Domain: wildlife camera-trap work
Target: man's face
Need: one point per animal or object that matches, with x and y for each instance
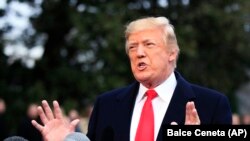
(150, 59)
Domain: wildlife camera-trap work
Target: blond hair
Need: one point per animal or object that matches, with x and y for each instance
(155, 22)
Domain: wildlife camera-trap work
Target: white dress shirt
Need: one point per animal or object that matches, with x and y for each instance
(160, 104)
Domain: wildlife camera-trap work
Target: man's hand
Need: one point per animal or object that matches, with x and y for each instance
(192, 117)
(55, 127)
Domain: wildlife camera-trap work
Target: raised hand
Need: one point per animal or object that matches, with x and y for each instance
(55, 127)
(192, 117)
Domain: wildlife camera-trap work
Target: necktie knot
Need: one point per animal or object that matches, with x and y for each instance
(151, 94)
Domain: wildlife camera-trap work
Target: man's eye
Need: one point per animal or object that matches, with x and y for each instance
(149, 44)
(131, 47)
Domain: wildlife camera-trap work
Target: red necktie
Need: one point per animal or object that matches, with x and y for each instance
(145, 129)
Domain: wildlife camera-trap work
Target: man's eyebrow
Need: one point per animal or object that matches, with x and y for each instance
(132, 43)
(148, 40)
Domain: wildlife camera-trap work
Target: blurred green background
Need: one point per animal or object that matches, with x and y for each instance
(73, 50)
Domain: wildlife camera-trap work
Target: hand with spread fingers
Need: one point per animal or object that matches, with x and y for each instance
(55, 127)
(191, 117)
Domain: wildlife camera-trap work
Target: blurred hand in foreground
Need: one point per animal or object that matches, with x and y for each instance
(55, 127)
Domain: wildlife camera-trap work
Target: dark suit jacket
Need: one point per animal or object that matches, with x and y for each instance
(112, 113)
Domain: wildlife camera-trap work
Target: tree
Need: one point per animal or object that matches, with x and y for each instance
(84, 50)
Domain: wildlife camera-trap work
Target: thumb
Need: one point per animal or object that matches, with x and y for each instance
(73, 124)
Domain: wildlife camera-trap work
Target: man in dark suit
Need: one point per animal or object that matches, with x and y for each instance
(121, 114)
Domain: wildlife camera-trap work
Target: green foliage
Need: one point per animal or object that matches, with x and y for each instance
(85, 49)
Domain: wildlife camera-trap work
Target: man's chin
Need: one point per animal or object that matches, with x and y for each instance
(145, 81)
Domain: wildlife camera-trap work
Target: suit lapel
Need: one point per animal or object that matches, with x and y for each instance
(182, 94)
(177, 106)
(125, 104)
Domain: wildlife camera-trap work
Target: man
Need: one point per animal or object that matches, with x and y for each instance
(118, 115)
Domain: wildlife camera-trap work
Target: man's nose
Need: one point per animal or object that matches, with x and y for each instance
(140, 51)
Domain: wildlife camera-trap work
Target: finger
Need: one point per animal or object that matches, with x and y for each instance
(188, 113)
(47, 110)
(42, 115)
(193, 113)
(57, 109)
(195, 116)
(192, 117)
(73, 124)
(191, 108)
(37, 125)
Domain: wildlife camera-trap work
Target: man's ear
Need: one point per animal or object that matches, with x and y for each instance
(172, 55)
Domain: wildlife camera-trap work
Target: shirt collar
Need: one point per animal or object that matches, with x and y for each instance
(164, 90)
